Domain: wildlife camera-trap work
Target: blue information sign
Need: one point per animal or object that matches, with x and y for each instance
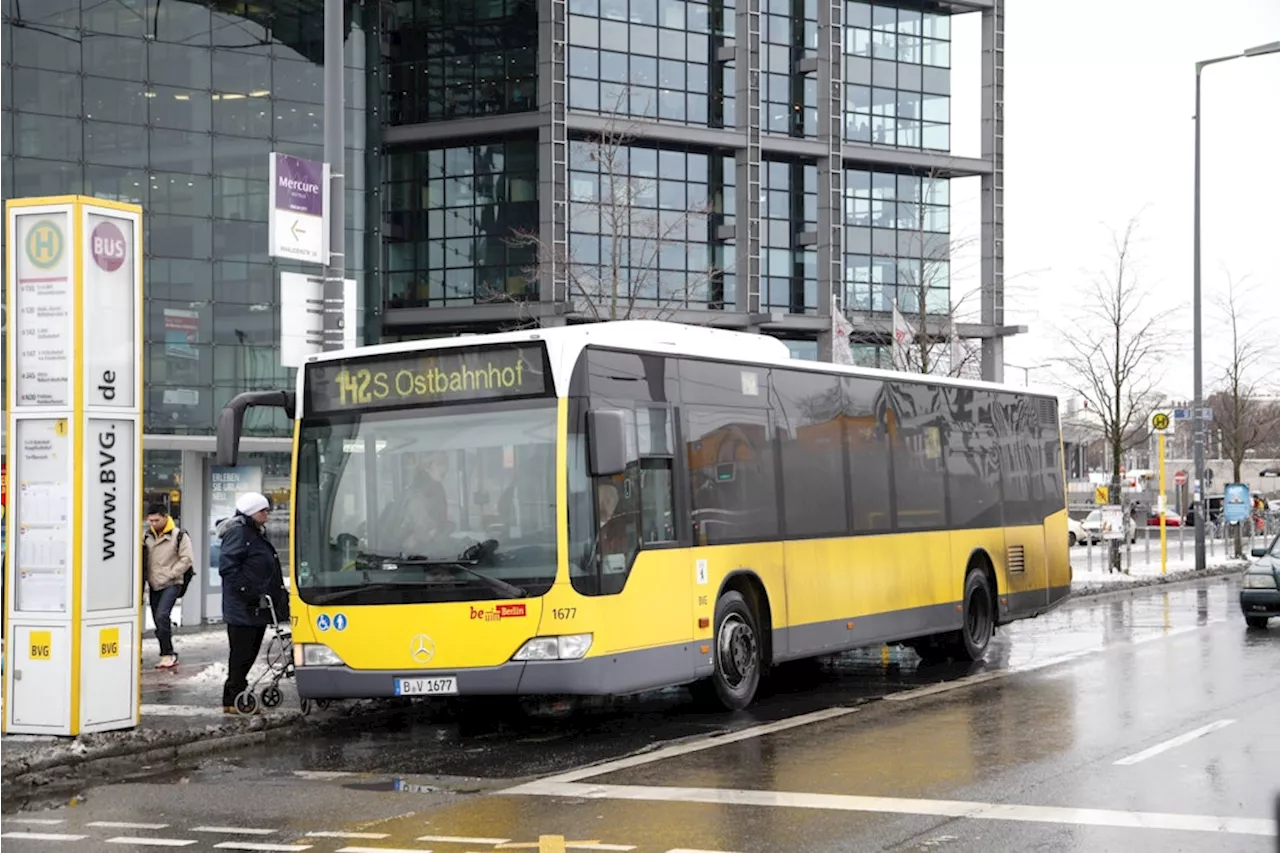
(1237, 502)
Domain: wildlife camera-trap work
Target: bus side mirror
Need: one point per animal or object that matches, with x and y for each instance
(606, 442)
(231, 419)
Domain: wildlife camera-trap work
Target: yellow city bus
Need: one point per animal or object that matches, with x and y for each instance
(609, 508)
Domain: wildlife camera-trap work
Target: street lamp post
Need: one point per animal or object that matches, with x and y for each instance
(1026, 371)
(1198, 403)
(335, 156)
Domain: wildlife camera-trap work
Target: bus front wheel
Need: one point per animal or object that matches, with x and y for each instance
(736, 652)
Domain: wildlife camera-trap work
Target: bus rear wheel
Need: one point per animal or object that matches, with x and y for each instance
(736, 653)
(979, 617)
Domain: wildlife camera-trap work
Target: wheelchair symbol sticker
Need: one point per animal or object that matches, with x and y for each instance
(339, 621)
(322, 622)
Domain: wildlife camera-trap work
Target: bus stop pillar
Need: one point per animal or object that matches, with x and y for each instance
(74, 517)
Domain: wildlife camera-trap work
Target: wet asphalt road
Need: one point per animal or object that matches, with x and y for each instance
(1148, 721)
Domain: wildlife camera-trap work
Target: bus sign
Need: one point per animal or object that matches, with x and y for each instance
(434, 377)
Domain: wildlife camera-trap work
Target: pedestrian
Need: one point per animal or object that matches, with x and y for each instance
(250, 569)
(167, 563)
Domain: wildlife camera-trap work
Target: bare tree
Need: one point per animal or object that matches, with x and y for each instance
(1113, 357)
(1244, 421)
(655, 247)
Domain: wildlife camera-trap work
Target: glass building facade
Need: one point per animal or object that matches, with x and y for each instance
(757, 164)
(631, 173)
(176, 107)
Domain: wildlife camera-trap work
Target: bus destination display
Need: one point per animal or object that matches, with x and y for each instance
(427, 378)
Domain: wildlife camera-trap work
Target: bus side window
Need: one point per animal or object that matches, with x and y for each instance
(657, 495)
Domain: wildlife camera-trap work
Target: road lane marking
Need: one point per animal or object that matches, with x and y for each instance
(1265, 827)
(369, 836)
(383, 850)
(692, 850)
(712, 741)
(1174, 742)
(42, 836)
(144, 841)
(258, 847)
(709, 742)
(123, 824)
(233, 830)
(37, 821)
(462, 839)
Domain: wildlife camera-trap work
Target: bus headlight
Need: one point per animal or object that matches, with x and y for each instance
(314, 654)
(568, 647)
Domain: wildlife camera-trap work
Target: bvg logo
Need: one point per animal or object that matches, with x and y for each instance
(44, 244)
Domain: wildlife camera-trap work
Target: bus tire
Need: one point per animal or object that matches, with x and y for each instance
(979, 617)
(736, 652)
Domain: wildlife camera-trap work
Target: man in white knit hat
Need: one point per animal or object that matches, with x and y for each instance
(250, 569)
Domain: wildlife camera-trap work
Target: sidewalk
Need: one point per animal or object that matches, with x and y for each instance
(1093, 577)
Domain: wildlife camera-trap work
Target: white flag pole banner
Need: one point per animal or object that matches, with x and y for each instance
(841, 330)
(902, 336)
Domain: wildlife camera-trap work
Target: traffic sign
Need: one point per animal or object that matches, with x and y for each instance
(1162, 422)
(1180, 478)
(298, 222)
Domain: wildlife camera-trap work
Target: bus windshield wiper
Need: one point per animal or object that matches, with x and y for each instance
(349, 592)
(509, 590)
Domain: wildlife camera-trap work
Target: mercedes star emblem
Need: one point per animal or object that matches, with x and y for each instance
(422, 649)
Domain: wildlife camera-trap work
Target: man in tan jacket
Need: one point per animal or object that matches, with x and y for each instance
(166, 560)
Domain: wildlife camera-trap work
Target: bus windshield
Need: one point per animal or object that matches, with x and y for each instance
(442, 504)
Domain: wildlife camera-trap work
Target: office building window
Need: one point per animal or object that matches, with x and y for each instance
(789, 270)
(896, 242)
(640, 228)
(897, 76)
(450, 59)
(454, 220)
(649, 58)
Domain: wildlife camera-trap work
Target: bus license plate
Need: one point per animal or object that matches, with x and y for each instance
(447, 686)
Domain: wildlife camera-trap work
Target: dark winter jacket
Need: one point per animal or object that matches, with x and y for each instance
(250, 568)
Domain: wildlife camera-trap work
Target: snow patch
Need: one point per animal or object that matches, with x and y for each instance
(216, 673)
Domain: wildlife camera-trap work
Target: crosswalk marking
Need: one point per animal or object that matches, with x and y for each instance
(145, 841)
(384, 850)
(36, 821)
(124, 824)
(371, 836)
(232, 830)
(259, 847)
(42, 836)
(462, 839)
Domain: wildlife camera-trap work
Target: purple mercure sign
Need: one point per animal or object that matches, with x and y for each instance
(299, 185)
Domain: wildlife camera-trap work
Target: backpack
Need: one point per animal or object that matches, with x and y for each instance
(191, 570)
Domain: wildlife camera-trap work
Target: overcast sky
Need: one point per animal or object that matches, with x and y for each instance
(1099, 99)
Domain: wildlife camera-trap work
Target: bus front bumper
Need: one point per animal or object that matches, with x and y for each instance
(608, 675)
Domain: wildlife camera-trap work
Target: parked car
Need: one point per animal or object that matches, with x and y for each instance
(1093, 527)
(1171, 519)
(1260, 590)
(1075, 533)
